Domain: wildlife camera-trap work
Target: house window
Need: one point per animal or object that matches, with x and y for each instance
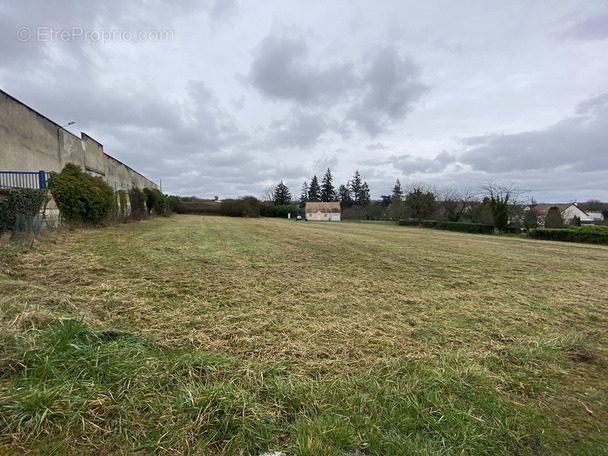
(325, 215)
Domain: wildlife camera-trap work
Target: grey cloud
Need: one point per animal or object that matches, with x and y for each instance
(374, 94)
(197, 124)
(377, 146)
(596, 105)
(204, 121)
(592, 28)
(410, 164)
(320, 165)
(281, 70)
(302, 129)
(578, 143)
(222, 9)
(391, 87)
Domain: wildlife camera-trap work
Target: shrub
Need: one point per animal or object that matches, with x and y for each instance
(475, 228)
(18, 203)
(247, 206)
(429, 223)
(592, 234)
(81, 197)
(155, 201)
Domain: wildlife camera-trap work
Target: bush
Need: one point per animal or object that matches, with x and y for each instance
(247, 206)
(18, 203)
(593, 234)
(430, 223)
(268, 210)
(155, 201)
(81, 197)
(474, 228)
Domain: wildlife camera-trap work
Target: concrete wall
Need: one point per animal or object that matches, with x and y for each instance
(31, 142)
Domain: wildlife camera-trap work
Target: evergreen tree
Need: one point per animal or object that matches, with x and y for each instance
(385, 200)
(397, 191)
(282, 195)
(328, 193)
(396, 208)
(500, 212)
(531, 218)
(314, 191)
(364, 197)
(359, 190)
(554, 218)
(304, 195)
(344, 196)
(420, 205)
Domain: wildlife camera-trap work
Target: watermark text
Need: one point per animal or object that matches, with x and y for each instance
(46, 34)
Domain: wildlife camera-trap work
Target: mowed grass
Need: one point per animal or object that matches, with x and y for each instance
(215, 335)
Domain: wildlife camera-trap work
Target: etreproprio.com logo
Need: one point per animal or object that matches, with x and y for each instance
(46, 34)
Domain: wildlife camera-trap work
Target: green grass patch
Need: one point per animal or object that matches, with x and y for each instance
(78, 390)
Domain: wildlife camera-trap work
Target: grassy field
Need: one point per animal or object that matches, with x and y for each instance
(211, 335)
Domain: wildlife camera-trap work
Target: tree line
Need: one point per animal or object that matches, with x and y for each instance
(503, 206)
(355, 192)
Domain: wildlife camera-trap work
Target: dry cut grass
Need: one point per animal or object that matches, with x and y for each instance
(317, 295)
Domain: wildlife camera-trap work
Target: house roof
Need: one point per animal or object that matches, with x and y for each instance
(333, 207)
(543, 209)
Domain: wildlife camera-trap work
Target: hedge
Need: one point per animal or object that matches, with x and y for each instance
(404, 222)
(267, 210)
(19, 202)
(246, 206)
(429, 223)
(193, 205)
(586, 234)
(475, 228)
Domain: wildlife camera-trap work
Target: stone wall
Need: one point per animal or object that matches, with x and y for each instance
(31, 142)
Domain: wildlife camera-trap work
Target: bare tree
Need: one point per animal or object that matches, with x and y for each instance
(268, 194)
(503, 201)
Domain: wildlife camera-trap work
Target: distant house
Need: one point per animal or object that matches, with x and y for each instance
(595, 215)
(567, 211)
(328, 212)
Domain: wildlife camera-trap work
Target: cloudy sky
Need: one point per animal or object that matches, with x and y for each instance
(229, 97)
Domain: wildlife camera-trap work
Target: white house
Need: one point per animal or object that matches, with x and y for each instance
(567, 211)
(326, 212)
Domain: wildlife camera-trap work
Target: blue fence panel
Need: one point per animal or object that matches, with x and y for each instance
(25, 179)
